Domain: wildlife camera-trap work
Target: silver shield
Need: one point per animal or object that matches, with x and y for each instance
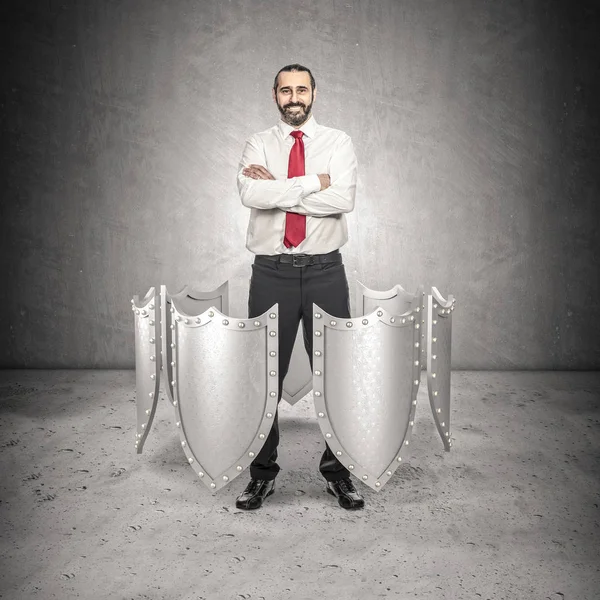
(147, 362)
(192, 302)
(439, 338)
(225, 389)
(396, 301)
(365, 381)
(298, 380)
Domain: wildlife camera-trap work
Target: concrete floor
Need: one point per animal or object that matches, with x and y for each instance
(511, 512)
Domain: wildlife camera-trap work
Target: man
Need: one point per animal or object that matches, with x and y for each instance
(298, 178)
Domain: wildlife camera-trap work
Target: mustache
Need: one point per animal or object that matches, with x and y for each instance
(291, 105)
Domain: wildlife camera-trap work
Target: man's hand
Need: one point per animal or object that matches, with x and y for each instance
(257, 172)
(325, 181)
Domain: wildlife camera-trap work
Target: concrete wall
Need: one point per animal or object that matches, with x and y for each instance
(475, 125)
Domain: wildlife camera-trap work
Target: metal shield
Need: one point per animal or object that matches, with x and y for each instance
(396, 301)
(147, 362)
(225, 388)
(192, 302)
(298, 379)
(365, 381)
(439, 338)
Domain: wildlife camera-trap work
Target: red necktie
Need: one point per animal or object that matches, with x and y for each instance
(295, 224)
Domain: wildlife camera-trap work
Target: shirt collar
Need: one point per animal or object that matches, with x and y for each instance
(309, 128)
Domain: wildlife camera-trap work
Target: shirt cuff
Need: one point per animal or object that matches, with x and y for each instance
(309, 183)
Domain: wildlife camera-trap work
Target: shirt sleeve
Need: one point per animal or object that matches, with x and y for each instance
(270, 193)
(340, 195)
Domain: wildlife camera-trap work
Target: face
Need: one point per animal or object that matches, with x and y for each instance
(294, 97)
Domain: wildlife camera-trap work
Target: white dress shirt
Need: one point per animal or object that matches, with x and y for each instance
(326, 151)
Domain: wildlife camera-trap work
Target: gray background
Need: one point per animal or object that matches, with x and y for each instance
(474, 124)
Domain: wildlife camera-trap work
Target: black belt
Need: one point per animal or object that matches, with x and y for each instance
(303, 260)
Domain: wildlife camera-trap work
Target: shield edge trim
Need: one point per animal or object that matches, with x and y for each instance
(271, 323)
(443, 309)
(378, 314)
(150, 304)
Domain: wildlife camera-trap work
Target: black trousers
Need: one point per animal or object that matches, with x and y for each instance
(295, 289)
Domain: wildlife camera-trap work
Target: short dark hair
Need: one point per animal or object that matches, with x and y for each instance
(293, 68)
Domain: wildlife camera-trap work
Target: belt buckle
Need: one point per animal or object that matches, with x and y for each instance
(299, 260)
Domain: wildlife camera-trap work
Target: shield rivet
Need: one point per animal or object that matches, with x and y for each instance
(317, 353)
(418, 308)
(178, 318)
(151, 323)
(435, 305)
(150, 394)
(269, 415)
(435, 321)
(153, 358)
(399, 459)
(338, 453)
(143, 425)
(317, 315)
(416, 382)
(144, 313)
(434, 339)
(183, 443)
(434, 356)
(186, 321)
(392, 319)
(317, 394)
(443, 424)
(178, 424)
(403, 320)
(272, 353)
(417, 326)
(317, 372)
(262, 436)
(412, 423)
(153, 376)
(435, 393)
(351, 467)
(256, 323)
(174, 402)
(239, 467)
(321, 414)
(333, 323)
(438, 410)
(272, 373)
(414, 402)
(379, 313)
(250, 454)
(412, 317)
(172, 344)
(171, 326)
(416, 363)
(416, 344)
(200, 474)
(173, 382)
(225, 478)
(447, 433)
(198, 320)
(327, 435)
(365, 477)
(365, 321)
(272, 333)
(406, 443)
(241, 325)
(211, 313)
(172, 363)
(389, 473)
(213, 485)
(318, 333)
(132, 301)
(273, 394)
(147, 411)
(225, 322)
(433, 375)
(190, 460)
(349, 324)
(272, 315)
(172, 309)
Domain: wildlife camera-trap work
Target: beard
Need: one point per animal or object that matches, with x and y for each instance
(295, 118)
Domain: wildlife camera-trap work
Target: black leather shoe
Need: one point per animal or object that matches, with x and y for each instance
(346, 494)
(254, 494)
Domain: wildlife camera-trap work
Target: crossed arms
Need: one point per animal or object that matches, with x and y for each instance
(313, 195)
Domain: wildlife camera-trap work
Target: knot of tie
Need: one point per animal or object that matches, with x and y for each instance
(297, 134)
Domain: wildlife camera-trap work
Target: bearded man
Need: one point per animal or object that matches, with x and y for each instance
(299, 179)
